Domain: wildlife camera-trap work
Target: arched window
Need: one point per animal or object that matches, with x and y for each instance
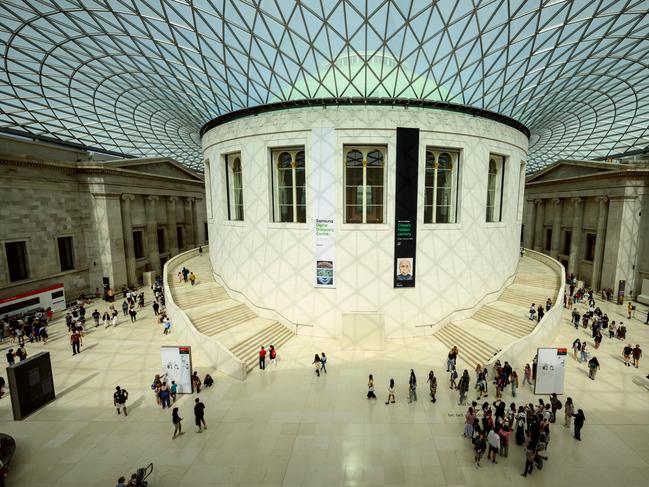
(364, 183)
(440, 200)
(290, 182)
(495, 183)
(234, 186)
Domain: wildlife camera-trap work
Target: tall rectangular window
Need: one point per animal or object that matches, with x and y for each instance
(66, 253)
(162, 242)
(180, 235)
(521, 192)
(548, 239)
(495, 187)
(208, 187)
(289, 185)
(207, 233)
(567, 238)
(234, 186)
(440, 198)
(17, 260)
(138, 245)
(589, 251)
(364, 183)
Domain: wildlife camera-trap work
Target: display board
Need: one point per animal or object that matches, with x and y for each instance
(31, 384)
(405, 207)
(550, 370)
(323, 188)
(177, 364)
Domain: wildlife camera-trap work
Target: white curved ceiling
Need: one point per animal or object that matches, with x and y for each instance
(142, 76)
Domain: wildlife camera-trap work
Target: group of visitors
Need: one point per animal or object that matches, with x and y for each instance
(537, 313)
(30, 326)
(186, 275)
(320, 363)
(272, 355)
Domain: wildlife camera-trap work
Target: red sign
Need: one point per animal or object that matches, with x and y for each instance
(31, 293)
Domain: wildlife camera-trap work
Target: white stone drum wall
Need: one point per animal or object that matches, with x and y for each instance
(273, 264)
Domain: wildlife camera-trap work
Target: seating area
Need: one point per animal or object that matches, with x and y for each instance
(215, 314)
(497, 324)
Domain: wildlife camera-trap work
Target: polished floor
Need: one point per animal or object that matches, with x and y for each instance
(284, 426)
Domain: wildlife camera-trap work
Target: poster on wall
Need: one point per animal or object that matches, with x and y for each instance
(405, 207)
(177, 364)
(621, 286)
(550, 370)
(323, 188)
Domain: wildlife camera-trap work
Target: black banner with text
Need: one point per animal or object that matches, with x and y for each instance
(405, 207)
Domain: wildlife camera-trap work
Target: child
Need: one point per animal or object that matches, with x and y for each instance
(453, 377)
(174, 390)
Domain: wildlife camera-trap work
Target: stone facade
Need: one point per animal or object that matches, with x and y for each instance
(99, 204)
(594, 218)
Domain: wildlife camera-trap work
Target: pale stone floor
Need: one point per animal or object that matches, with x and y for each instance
(286, 427)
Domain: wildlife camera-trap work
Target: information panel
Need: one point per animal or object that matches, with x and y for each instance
(550, 370)
(323, 188)
(177, 364)
(31, 384)
(405, 207)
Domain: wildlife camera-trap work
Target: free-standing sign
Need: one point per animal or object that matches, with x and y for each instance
(177, 364)
(323, 187)
(405, 207)
(31, 384)
(550, 370)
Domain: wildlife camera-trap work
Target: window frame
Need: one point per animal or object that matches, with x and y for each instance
(456, 157)
(235, 211)
(498, 191)
(72, 252)
(365, 150)
(165, 246)
(586, 245)
(207, 178)
(180, 236)
(135, 247)
(26, 259)
(276, 204)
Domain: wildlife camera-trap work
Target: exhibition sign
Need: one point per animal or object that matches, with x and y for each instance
(323, 187)
(405, 207)
(550, 370)
(177, 364)
(31, 384)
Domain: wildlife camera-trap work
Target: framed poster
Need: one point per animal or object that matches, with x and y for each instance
(550, 370)
(177, 364)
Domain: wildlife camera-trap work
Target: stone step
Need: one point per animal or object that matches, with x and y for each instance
(277, 339)
(524, 298)
(242, 347)
(504, 321)
(472, 349)
(224, 320)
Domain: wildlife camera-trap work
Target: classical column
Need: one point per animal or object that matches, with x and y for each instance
(189, 226)
(172, 236)
(602, 214)
(129, 248)
(556, 227)
(575, 240)
(152, 233)
(538, 230)
(528, 237)
(198, 224)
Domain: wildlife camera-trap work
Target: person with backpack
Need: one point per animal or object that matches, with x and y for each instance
(273, 355)
(593, 367)
(556, 406)
(494, 445)
(119, 399)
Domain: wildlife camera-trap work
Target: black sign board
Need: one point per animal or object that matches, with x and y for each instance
(31, 384)
(405, 207)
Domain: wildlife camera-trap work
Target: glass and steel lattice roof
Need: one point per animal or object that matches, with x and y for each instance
(141, 77)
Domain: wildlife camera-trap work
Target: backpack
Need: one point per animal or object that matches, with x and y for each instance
(559, 405)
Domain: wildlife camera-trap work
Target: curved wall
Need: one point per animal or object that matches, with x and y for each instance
(273, 264)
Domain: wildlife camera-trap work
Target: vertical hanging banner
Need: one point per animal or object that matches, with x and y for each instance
(405, 207)
(323, 187)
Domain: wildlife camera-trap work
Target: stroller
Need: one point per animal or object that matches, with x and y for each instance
(141, 475)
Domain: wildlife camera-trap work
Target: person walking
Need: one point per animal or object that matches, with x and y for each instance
(192, 278)
(453, 377)
(452, 358)
(593, 367)
(133, 314)
(95, 316)
(176, 420)
(262, 358)
(579, 423)
(576, 348)
(114, 319)
(568, 411)
(432, 384)
(527, 374)
(119, 400)
(125, 308)
(105, 318)
(199, 414)
(583, 352)
(75, 341)
(514, 382)
(412, 387)
(370, 388)
(637, 353)
(11, 357)
(173, 390)
(469, 420)
(316, 364)
(166, 326)
(273, 355)
(463, 387)
(156, 308)
(323, 362)
(390, 392)
(532, 311)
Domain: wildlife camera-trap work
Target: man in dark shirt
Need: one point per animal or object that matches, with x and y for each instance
(11, 360)
(199, 413)
(119, 399)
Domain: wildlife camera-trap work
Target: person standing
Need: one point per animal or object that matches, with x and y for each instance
(452, 357)
(199, 414)
(469, 419)
(390, 392)
(579, 423)
(514, 382)
(176, 420)
(569, 411)
(593, 367)
(323, 362)
(119, 400)
(273, 355)
(532, 311)
(530, 455)
(133, 314)
(583, 352)
(95, 317)
(432, 384)
(527, 374)
(453, 377)
(125, 308)
(262, 358)
(11, 358)
(173, 390)
(637, 353)
(370, 388)
(412, 387)
(165, 396)
(463, 387)
(156, 307)
(75, 341)
(479, 447)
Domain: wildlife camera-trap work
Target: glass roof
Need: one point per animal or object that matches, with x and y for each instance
(142, 76)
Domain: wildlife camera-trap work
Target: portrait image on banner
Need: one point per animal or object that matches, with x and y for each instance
(322, 184)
